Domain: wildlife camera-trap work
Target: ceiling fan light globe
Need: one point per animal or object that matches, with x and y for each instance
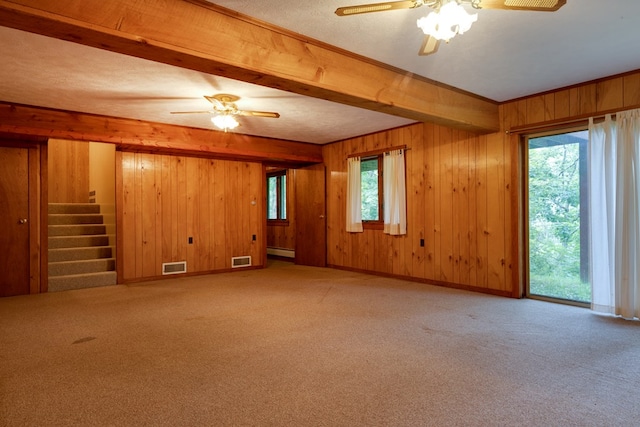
(225, 122)
(445, 23)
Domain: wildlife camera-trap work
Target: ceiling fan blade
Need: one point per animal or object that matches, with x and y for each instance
(377, 7)
(535, 5)
(191, 112)
(429, 45)
(266, 114)
(215, 101)
(140, 98)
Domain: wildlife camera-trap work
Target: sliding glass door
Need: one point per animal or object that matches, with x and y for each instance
(557, 193)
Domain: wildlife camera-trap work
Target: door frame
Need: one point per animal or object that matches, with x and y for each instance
(38, 201)
(523, 145)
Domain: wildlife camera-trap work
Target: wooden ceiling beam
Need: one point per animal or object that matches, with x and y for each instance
(152, 137)
(198, 35)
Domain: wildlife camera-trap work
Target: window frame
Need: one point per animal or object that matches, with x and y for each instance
(524, 148)
(278, 175)
(379, 154)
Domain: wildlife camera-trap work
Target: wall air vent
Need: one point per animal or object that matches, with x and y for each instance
(240, 261)
(174, 267)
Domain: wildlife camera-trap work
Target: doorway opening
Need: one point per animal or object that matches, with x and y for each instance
(557, 217)
(81, 215)
(280, 214)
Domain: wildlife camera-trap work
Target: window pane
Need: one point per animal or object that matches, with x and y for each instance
(283, 197)
(369, 178)
(272, 198)
(558, 245)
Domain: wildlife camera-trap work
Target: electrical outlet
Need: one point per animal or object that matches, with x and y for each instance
(191, 240)
(253, 237)
(422, 243)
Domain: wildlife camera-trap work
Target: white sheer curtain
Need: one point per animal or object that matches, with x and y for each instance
(614, 180)
(395, 205)
(354, 196)
(602, 184)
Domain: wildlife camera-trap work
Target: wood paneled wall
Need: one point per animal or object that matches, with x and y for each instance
(68, 171)
(458, 201)
(284, 236)
(166, 199)
(598, 97)
(462, 191)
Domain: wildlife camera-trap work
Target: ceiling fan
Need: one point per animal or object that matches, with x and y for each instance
(449, 17)
(224, 111)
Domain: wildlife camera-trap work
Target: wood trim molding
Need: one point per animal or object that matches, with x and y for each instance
(576, 121)
(119, 219)
(44, 217)
(516, 210)
(137, 135)
(37, 233)
(191, 274)
(378, 152)
(188, 35)
(574, 86)
(263, 248)
(427, 281)
(305, 39)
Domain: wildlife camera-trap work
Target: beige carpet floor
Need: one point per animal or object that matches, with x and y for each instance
(302, 346)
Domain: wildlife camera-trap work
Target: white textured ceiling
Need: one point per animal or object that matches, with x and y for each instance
(505, 55)
(51, 73)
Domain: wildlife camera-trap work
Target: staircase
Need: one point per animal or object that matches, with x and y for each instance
(80, 252)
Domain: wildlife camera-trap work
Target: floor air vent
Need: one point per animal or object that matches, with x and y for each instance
(240, 261)
(174, 267)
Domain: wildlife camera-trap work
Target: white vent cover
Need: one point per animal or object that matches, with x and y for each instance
(241, 261)
(174, 267)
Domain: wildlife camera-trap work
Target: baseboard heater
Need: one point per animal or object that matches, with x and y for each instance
(285, 253)
(174, 267)
(241, 261)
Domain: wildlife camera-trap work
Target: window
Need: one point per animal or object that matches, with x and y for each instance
(371, 182)
(581, 202)
(376, 192)
(277, 196)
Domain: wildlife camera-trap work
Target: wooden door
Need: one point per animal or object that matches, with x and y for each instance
(311, 222)
(14, 226)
